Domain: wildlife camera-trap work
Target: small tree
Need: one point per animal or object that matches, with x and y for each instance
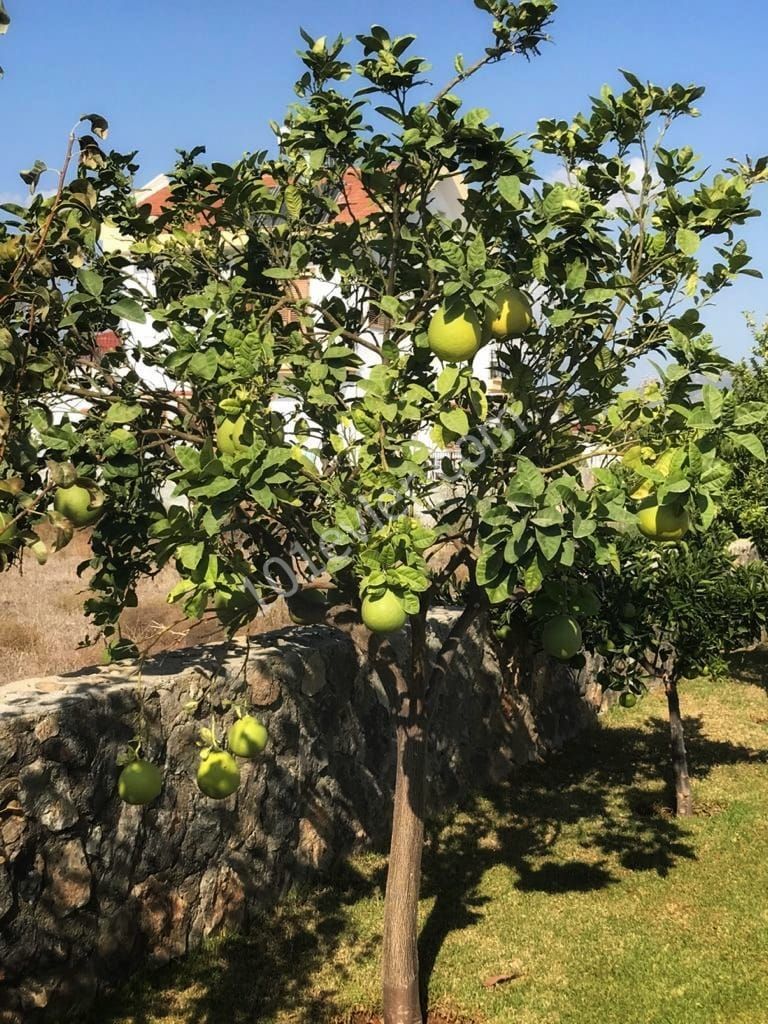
(337, 495)
(745, 505)
(673, 614)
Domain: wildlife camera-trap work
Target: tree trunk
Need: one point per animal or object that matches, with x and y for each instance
(400, 955)
(400, 959)
(683, 799)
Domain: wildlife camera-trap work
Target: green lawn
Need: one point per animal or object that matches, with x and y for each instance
(576, 880)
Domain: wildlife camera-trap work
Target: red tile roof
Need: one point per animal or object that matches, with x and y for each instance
(354, 202)
(107, 341)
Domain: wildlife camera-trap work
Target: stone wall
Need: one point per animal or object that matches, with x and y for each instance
(91, 888)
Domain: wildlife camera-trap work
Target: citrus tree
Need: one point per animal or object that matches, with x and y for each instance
(299, 428)
(746, 503)
(674, 614)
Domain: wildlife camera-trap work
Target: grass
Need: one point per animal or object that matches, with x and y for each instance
(575, 881)
(43, 628)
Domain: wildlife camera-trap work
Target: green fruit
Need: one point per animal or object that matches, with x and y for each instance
(383, 614)
(229, 434)
(514, 316)
(247, 737)
(8, 529)
(629, 611)
(74, 502)
(218, 775)
(663, 522)
(628, 700)
(502, 633)
(561, 637)
(139, 782)
(307, 607)
(454, 334)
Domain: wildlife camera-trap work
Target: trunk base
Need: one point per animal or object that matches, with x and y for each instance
(364, 1017)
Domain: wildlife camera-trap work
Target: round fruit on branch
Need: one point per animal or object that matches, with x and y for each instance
(307, 607)
(663, 522)
(247, 737)
(81, 505)
(139, 782)
(454, 333)
(229, 435)
(514, 316)
(561, 637)
(218, 775)
(384, 614)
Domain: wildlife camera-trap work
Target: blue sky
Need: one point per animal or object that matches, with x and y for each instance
(177, 74)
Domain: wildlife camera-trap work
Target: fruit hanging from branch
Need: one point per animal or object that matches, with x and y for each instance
(80, 504)
(384, 614)
(218, 775)
(247, 737)
(454, 333)
(140, 782)
(663, 522)
(513, 317)
(561, 637)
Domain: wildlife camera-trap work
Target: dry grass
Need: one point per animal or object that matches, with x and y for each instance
(43, 630)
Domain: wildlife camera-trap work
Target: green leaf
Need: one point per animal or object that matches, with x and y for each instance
(447, 380)
(577, 276)
(456, 421)
(509, 190)
(476, 255)
(92, 282)
(489, 565)
(528, 479)
(751, 442)
(190, 554)
(128, 309)
(280, 273)
(713, 400)
(687, 241)
(122, 412)
(204, 364)
(549, 542)
(583, 527)
(533, 577)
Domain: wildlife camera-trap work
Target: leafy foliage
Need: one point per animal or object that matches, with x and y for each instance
(677, 610)
(745, 506)
(617, 263)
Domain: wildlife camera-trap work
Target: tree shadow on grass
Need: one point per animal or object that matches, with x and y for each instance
(601, 805)
(750, 667)
(249, 978)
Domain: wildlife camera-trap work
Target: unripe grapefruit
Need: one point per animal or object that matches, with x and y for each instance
(8, 529)
(229, 434)
(628, 700)
(454, 334)
(663, 522)
(561, 637)
(218, 775)
(139, 782)
(383, 614)
(247, 737)
(74, 502)
(514, 316)
(307, 607)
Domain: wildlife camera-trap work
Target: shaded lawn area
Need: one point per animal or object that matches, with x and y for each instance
(574, 884)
